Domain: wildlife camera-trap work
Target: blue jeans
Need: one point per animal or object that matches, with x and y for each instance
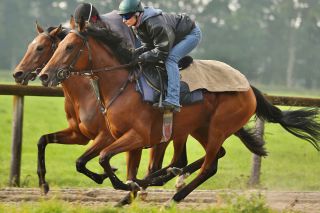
(180, 50)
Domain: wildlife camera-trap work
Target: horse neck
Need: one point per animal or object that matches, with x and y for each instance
(109, 81)
(78, 89)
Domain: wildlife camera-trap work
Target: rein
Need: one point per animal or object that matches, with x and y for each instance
(65, 73)
(104, 69)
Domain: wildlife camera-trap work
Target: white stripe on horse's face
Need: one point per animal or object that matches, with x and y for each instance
(34, 41)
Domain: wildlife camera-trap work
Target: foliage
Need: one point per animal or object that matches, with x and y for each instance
(271, 42)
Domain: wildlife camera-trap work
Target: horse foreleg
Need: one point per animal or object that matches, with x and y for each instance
(127, 142)
(133, 162)
(67, 136)
(100, 142)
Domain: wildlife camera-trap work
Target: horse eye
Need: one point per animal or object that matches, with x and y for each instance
(39, 48)
(69, 47)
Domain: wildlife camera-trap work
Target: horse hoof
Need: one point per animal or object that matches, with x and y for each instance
(45, 188)
(133, 186)
(180, 186)
(143, 194)
(126, 200)
(174, 170)
(99, 179)
(169, 204)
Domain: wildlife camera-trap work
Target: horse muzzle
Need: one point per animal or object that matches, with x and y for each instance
(23, 77)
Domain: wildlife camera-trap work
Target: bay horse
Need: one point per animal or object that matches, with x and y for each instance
(38, 54)
(84, 117)
(84, 124)
(135, 124)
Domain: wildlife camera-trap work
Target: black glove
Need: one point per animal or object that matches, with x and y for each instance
(138, 61)
(143, 58)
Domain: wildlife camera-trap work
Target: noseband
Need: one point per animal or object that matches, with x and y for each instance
(65, 73)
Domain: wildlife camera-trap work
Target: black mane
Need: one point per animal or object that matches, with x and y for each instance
(64, 32)
(111, 39)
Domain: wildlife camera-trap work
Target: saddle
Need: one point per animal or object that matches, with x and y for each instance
(153, 82)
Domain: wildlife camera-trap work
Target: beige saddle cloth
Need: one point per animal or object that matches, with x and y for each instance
(214, 76)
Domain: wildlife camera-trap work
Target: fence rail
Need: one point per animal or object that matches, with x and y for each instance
(18, 104)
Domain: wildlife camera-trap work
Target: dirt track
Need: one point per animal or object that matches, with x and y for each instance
(301, 201)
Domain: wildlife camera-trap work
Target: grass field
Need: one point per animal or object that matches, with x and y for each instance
(253, 204)
(292, 164)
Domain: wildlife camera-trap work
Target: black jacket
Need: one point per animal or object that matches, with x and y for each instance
(160, 32)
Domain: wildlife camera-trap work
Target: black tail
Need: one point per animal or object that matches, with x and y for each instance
(301, 123)
(254, 143)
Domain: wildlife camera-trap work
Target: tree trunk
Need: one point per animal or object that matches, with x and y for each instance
(291, 59)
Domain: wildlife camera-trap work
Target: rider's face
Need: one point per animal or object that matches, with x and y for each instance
(131, 21)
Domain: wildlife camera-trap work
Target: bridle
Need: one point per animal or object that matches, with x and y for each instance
(53, 48)
(64, 73)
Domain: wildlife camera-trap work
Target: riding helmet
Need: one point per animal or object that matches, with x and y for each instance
(130, 6)
(86, 11)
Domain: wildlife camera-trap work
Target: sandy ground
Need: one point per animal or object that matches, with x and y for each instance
(199, 199)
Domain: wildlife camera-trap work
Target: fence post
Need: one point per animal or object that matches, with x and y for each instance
(256, 160)
(17, 123)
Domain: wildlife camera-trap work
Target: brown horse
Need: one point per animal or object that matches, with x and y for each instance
(39, 52)
(82, 110)
(136, 124)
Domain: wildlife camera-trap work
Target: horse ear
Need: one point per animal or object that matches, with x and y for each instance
(39, 29)
(72, 22)
(55, 32)
(81, 25)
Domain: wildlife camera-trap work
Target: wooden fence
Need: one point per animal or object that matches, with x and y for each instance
(17, 123)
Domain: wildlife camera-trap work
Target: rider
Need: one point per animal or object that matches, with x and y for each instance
(165, 37)
(91, 15)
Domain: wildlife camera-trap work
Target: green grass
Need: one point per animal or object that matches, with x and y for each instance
(228, 204)
(292, 164)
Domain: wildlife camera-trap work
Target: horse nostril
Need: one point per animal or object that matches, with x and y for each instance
(18, 74)
(44, 77)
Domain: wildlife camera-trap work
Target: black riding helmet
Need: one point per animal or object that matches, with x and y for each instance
(86, 11)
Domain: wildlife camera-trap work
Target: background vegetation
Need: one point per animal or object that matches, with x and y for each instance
(274, 42)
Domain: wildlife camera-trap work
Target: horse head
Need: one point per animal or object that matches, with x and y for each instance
(38, 54)
(85, 48)
(68, 56)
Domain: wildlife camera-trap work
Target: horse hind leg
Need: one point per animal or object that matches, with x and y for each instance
(179, 160)
(66, 136)
(208, 169)
(224, 122)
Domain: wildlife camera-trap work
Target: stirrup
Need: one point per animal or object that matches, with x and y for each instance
(163, 106)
